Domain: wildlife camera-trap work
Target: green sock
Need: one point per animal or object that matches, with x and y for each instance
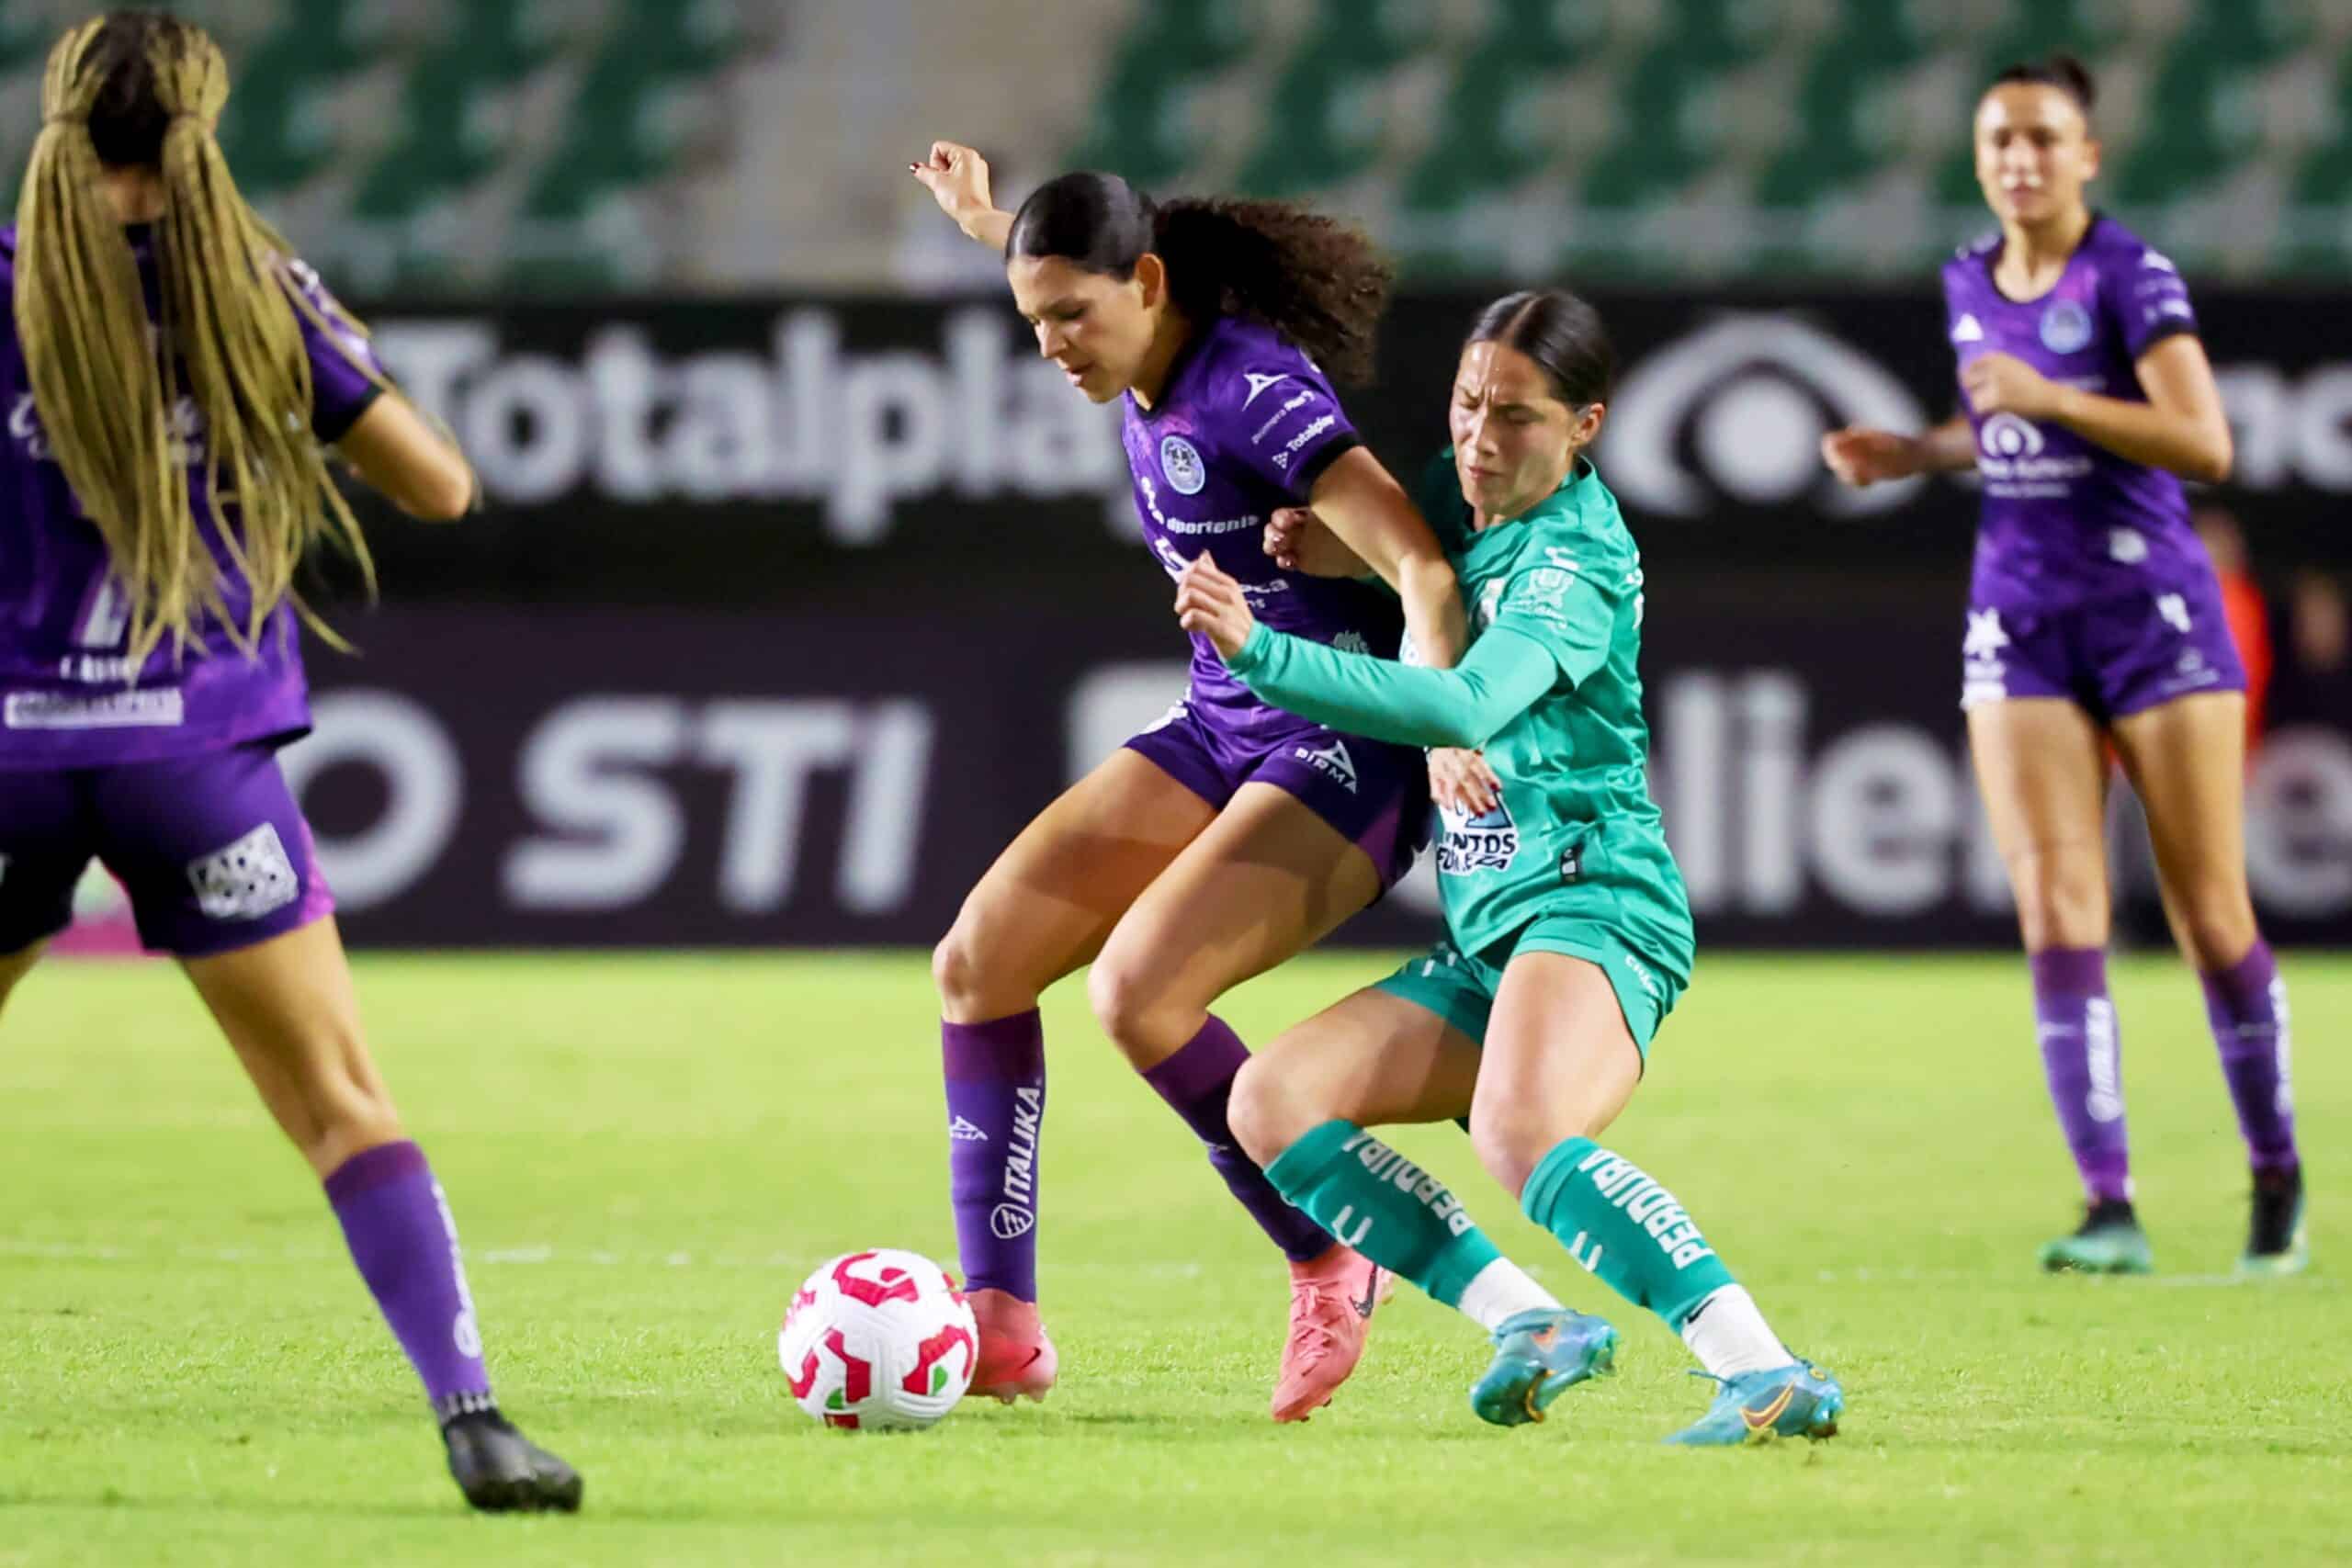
(1375, 1199)
(1625, 1227)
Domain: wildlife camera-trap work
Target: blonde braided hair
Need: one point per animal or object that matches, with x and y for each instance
(231, 345)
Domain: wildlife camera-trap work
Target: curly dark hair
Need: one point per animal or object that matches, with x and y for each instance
(1319, 282)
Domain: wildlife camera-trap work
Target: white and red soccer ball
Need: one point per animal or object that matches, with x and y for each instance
(878, 1341)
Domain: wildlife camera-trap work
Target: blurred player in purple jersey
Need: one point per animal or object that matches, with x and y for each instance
(1230, 835)
(2095, 620)
(172, 374)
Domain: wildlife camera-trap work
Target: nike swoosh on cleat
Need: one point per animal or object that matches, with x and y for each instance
(1371, 1294)
(1758, 1420)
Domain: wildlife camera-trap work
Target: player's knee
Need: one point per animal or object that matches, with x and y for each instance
(1126, 998)
(1264, 1113)
(980, 978)
(959, 968)
(1509, 1144)
(346, 1108)
(2062, 901)
(2216, 926)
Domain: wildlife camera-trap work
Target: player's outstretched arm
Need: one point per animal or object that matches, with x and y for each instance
(1369, 513)
(1861, 456)
(958, 178)
(1356, 693)
(395, 451)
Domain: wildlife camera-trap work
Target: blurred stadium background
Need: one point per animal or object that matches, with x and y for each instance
(802, 585)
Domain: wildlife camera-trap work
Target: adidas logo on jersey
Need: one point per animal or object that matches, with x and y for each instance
(1967, 329)
(962, 1131)
(1332, 762)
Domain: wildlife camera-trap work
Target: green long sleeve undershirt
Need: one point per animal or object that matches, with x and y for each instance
(1505, 674)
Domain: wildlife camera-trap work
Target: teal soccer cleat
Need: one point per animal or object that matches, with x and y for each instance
(1799, 1400)
(1540, 1355)
(2108, 1241)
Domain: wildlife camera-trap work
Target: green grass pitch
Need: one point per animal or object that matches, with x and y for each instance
(646, 1153)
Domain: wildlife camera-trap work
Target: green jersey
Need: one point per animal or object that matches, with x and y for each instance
(1551, 692)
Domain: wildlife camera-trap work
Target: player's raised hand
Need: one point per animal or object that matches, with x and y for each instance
(1860, 457)
(958, 178)
(1299, 541)
(1211, 602)
(1461, 782)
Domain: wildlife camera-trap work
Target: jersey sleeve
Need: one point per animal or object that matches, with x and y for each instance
(345, 375)
(2148, 301)
(1499, 679)
(1566, 600)
(1284, 425)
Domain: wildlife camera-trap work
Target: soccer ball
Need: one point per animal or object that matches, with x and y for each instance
(878, 1341)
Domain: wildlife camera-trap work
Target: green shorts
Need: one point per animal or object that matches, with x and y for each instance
(1460, 988)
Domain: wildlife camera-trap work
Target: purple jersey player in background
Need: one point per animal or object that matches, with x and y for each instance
(2094, 621)
(161, 337)
(1230, 835)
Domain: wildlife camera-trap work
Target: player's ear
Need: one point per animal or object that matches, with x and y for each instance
(1586, 430)
(2093, 152)
(1151, 279)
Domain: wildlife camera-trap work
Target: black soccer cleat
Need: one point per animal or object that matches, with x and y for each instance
(2274, 1239)
(503, 1471)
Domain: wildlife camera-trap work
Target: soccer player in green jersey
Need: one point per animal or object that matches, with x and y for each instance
(1568, 928)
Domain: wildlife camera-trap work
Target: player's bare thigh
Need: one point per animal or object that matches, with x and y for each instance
(2042, 770)
(1267, 879)
(1048, 903)
(1560, 1063)
(2186, 761)
(290, 1012)
(15, 965)
(1370, 1058)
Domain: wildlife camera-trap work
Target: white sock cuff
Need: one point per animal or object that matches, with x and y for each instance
(1729, 1336)
(1499, 1290)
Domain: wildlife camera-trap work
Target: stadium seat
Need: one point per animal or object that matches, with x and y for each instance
(1323, 125)
(1493, 134)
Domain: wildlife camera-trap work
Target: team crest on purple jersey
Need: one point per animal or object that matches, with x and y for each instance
(2066, 326)
(1181, 461)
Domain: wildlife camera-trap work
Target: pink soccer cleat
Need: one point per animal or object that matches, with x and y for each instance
(1332, 1300)
(1016, 1359)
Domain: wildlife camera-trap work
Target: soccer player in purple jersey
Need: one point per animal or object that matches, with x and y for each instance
(171, 373)
(2096, 622)
(1230, 835)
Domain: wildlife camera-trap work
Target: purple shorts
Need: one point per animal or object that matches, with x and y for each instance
(212, 850)
(1377, 795)
(2111, 657)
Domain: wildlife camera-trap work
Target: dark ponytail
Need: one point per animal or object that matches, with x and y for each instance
(1319, 282)
(1560, 331)
(2063, 71)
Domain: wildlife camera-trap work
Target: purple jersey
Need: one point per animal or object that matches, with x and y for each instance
(67, 698)
(1245, 426)
(2065, 522)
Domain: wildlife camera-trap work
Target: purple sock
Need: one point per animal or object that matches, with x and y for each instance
(996, 1110)
(2246, 1005)
(2082, 1056)
(1196, 1082)
(402, 1235)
